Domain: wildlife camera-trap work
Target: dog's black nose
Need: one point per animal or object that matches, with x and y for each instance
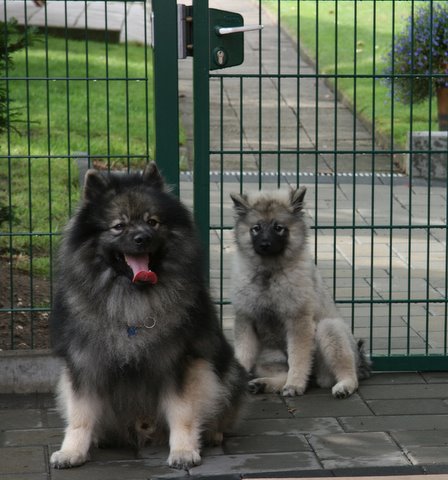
(265, 245)
(140, 239)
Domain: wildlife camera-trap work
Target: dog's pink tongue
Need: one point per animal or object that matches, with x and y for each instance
(139, 266)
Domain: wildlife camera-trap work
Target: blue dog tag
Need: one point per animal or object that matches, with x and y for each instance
(132, 331)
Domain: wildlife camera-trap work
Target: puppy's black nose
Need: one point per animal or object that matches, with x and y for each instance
(265, 245)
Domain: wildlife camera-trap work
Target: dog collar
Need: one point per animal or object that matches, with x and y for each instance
(132, 330)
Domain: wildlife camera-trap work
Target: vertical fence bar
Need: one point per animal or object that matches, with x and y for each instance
(30, 173)
(411, 115)
(260, 100)
(335, 143)
(279, 96)
(166, 91)
(201, 122)
(354, 192)
(298, 96)
(316, 138)
(10, 186)
(372, 197)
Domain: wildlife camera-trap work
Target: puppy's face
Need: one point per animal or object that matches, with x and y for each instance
(269, 235)
(269, 225)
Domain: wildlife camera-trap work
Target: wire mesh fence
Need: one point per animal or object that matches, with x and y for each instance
(330, 95)
(78, 87)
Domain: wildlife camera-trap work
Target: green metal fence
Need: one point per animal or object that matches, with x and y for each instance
(286, 116)
(376, 179)
(73, 96)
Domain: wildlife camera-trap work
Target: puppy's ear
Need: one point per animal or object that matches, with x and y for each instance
(95, 184)
(296, 197)
(151, 176)
(240, 203)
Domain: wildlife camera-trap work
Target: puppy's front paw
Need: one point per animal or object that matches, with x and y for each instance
(293, 390)
(184, 459)
(344, 389)
(67, 459)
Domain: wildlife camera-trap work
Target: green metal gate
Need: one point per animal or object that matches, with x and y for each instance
(315, 102)
(286, 116)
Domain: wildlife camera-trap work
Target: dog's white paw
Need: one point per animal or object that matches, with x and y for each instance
(344, 388)
(67, 459)
(293, 390)
(184, 459)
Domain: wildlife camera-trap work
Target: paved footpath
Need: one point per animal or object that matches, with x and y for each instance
(397, 423)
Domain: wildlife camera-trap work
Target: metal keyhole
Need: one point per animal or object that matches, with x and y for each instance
(220, 57)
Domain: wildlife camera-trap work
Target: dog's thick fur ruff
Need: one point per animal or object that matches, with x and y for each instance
(280, 302)
(142, 361)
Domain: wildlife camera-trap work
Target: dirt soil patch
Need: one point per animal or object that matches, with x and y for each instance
(27, 298)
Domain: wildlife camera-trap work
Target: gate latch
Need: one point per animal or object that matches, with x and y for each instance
(226, 36)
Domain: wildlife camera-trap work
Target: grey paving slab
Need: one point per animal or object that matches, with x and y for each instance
(265, 406)
(258, 463)
(313, 406)
(129, 470)
(22, 460)
(295, 426)
(265, 444)
(11, 401)
(428, 455)
(26, 418)
(53, 418)
(406, 406)
(33, 436)
(391, 423)
(357, 450)
(421, 438)
(372, 392)
(435, 377)
(24, 476)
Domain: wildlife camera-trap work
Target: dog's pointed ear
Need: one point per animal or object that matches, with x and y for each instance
(296, 197)
(240, 203)
(95, 183)
(151, 176)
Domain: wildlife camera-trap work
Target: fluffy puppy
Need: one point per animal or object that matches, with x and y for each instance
(280, 301)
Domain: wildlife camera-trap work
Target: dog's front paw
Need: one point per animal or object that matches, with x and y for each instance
(344, 389)
(184, 459)
(255, 386)
(67, 459)
(293, 390)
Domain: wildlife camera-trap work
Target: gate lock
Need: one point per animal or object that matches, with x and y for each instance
(226, 36)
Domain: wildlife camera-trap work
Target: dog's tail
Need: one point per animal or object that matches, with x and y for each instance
(364, 362)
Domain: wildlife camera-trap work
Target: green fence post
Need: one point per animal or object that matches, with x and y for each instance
(166, 106)
(201, 60)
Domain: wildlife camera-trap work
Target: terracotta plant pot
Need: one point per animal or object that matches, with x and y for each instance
(442, 108)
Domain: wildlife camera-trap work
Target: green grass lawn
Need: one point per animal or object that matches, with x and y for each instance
(72, 97)
(348, 47)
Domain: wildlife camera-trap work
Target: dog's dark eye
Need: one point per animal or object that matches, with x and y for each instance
(152, 222)
(256, 229)
(279, 229)
(118, 227)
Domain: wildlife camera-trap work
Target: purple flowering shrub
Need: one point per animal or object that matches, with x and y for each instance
(420, 52)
